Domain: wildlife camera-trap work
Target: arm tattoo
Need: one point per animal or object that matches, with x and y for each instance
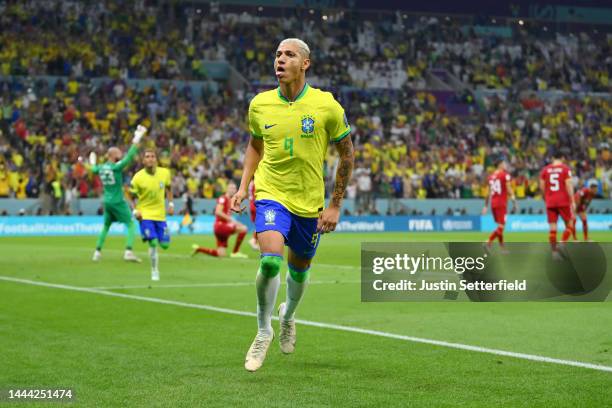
(344, 171)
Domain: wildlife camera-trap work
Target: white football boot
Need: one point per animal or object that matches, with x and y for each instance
(286, 338)
(258, 350)
(130, 257)
(97, 256)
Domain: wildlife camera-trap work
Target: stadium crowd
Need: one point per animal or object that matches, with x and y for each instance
(39, 37)
(407, 144)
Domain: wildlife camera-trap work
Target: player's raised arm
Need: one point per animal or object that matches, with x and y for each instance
(252, 157)
(133, 151)
(93, 163)
(330, 216)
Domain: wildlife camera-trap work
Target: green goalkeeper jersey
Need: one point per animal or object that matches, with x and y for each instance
(111, 175)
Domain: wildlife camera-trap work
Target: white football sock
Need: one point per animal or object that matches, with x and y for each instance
(295, 291)
(267, 289)
(154, 258)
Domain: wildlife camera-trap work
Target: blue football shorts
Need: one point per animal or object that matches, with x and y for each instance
(151, 230)
(300, 232)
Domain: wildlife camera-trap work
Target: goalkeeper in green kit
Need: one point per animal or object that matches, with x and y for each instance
(116, 209)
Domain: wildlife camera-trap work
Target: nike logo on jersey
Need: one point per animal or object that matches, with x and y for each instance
(269, 126)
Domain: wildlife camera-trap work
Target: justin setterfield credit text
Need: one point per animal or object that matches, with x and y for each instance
(423, 263)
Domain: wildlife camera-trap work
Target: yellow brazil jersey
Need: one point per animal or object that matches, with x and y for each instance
(295, 135)
(151, 192)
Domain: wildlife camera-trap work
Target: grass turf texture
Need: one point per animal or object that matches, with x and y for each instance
(124, 352)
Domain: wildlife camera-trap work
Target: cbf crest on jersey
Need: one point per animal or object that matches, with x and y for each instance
(308, 124)
(270, 217)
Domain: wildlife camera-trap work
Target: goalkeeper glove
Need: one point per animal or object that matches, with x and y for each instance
(93, 159)
(139, 133)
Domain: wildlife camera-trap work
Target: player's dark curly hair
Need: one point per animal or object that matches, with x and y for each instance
(150, 150)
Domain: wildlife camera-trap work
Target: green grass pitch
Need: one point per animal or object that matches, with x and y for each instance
(118, 351)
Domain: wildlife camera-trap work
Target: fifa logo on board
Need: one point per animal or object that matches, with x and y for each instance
(420, 225)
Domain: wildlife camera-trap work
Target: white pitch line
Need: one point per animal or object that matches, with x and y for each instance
(208, 285)
(459, 346)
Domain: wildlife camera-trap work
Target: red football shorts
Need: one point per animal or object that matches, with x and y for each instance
(553, 214)
(253, 211)
(499, 214)
(223, 230)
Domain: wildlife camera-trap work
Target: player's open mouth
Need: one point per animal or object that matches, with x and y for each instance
(280, 71)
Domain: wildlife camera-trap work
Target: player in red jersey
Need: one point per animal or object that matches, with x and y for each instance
(253, 241)
(558, 191)
(224, 227)
(583, 198)
(499, 189)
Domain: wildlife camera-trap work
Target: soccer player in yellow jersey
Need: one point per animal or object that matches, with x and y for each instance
(291, 128)
(150, 186)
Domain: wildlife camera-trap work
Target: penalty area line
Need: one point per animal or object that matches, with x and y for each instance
(351, 329)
